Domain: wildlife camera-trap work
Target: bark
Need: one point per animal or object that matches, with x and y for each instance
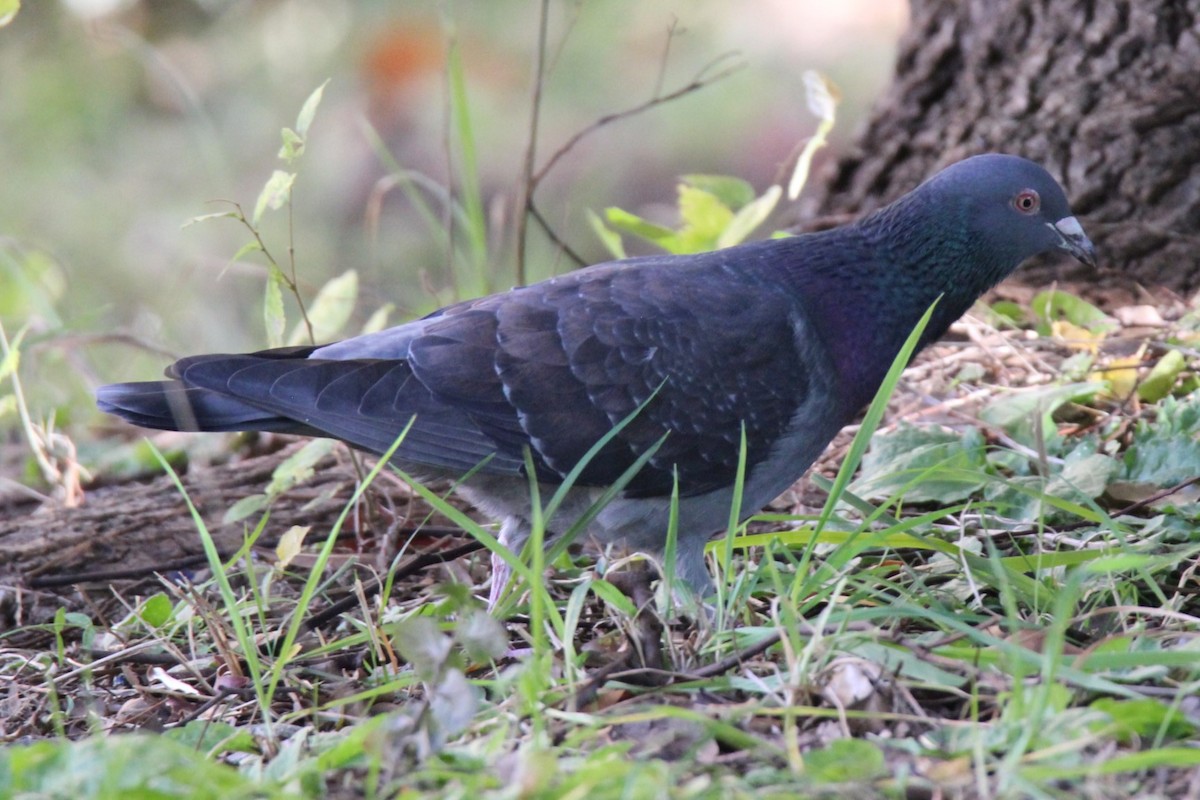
(1104, 94)
(51, 556)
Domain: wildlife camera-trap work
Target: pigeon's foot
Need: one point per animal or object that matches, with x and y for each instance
(501, 572)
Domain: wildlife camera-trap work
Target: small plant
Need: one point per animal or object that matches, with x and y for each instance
(717, 211)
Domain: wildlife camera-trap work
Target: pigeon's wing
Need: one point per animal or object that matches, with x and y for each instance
(367, 402)
(707, 349)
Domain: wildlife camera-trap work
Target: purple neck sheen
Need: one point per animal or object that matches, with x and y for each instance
(904, 258)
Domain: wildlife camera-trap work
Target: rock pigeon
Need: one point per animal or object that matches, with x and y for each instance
(785, 339)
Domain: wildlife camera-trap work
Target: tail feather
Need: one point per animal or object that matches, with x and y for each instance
(171, 406)
(366, 403)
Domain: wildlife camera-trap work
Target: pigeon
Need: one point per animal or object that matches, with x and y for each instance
(781, 342)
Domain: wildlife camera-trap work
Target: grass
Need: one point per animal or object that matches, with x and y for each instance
(1001, 604)
(914, 648)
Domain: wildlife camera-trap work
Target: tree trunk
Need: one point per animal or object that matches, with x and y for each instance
(125, 535)
(1105, 95)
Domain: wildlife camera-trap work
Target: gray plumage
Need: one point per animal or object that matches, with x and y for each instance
(787, 338)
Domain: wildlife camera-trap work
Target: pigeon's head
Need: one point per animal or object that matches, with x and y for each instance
(1012, 209)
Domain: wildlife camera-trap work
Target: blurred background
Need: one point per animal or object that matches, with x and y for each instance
(120, 120)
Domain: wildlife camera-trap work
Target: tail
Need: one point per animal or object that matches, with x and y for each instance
(171, 406)
(366, 402)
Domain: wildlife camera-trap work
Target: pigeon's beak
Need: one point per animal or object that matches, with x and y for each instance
(1074, 240)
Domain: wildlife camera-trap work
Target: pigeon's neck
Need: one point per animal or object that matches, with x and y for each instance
(893, 265)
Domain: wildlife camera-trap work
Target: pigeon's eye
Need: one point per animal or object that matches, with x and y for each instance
(1027, 201)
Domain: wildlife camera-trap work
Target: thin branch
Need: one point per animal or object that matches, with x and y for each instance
(672, 31)
(700, 81)
(413, 565)
(110, 575)
(290, 281)
(554, 237)
(528, 182)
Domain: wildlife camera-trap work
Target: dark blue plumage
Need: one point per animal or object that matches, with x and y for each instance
(787, 339)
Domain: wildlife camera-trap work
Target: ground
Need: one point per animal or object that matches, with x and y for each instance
(1003, 604)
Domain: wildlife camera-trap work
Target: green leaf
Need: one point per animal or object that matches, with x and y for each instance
(481, 635)
(156, 610)
(275, 193)
(309, 110)
(1054, 305)
(1142, 762)
(1021, 413)
(214, 215)
(845, 761)
(244, 250)
(12, 358)
(133, 766)
(273, 314)
(292, 147)
(294, 140)
(244, 508)
(1144, 719)
(615, 598)
(452, 705)
(8, 10)
(948, 466)
(623, 220)
(704, 217)
(422, 644)
(208, 736)
(749, 217)
(465, 160)
(1009, 311)
(299, 466)
(1167, 451)
(330, 310)
(1121, 562)
(903, 661)
(927, 464)
(733, 193)
(607, 236)
(1161, 380)
(1077, 367)
(379, 318)
(1163, 462)
(1086, 474)
(822, 96)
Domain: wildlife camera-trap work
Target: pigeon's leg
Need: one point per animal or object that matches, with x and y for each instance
(691, 572)
(514, 532)
(693, 584)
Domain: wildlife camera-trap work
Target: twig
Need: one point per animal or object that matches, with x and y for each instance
(528, 182)
(131, 656)
(108, 575)
(289, 281)
(42, 439)
(617, 669)
(413, 565)
(554, 237)
(666, 56)
(532, 181)
(738, 658)
(697, 83)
